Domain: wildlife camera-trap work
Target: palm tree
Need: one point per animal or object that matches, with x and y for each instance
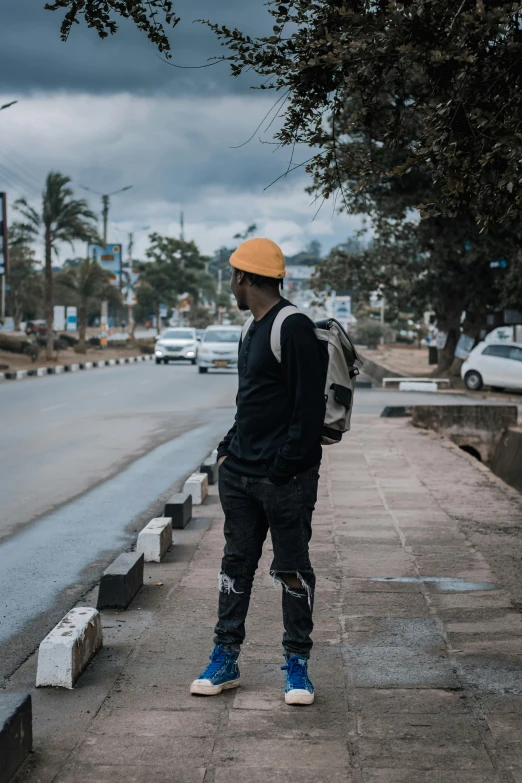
(62, 219)
(90, 283)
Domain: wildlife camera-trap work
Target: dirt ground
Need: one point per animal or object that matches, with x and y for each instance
(413, 361)
(406, 359)
(15, 361)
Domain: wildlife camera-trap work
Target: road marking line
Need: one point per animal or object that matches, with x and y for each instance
(53, 407)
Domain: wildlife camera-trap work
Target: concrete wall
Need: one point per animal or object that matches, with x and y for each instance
(506, 461)
(480, 426)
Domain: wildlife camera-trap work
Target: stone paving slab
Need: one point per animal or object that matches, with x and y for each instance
(418, 643)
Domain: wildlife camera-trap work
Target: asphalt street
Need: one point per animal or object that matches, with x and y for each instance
(86, 460)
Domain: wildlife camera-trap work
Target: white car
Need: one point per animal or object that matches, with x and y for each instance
(219, 347)
(176, 344)
(494, 364)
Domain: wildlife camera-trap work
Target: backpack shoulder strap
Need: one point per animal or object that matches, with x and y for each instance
(275, 334)
(246, 326)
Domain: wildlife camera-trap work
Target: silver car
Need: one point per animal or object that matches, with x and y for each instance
(175, 344)
(219, 347)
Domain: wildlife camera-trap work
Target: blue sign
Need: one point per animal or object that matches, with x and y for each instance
(109, 258)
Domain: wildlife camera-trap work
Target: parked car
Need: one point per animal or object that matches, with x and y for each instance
(218, 347)
(494, 364)
(39, 328)
(175, 344)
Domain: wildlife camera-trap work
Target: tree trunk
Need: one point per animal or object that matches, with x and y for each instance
(17, 316)
(48, 297)
(158, 322)
(82, 326)
(449, 322)
(473, 324)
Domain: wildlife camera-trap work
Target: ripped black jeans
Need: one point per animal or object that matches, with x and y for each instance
(253, 506)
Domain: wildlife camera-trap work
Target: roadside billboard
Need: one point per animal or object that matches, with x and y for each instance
(109, 258)
(59, 318)
(72, 319)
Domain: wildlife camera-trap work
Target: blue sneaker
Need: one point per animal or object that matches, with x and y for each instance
(221, 673)
(299, 689)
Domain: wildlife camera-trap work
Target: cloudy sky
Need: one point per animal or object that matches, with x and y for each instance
(111, 114)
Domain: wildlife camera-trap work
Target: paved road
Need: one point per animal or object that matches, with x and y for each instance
(62, 434)
(85, 459)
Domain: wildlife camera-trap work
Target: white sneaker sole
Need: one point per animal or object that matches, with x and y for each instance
(199, 689)
(299, 697)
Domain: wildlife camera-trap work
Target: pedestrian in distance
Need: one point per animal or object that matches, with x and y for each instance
(269, 470)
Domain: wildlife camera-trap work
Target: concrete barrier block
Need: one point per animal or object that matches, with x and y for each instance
(71, 367)
(179, 509)
(16, 732)
(197, 486)
(16, 375)
(131, 359)
(120, 361)
(86, 366)
(210, 467)
(121, 581)
(111, 362)
(68, 649)
(155, 539)
(100, 363)
(56, 370)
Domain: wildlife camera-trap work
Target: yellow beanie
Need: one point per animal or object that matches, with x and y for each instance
(260, 257)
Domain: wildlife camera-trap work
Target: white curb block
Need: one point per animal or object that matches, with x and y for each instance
(87, 366)
(111, 362)
(74, 367)
(58, 369)
(155, 539)
(41, 371)
(197, 486)
(412, 386)
(67, 650)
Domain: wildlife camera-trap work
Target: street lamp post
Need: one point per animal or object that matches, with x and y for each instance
(106, 200)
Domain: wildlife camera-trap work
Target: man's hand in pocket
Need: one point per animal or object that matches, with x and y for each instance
(221, 460)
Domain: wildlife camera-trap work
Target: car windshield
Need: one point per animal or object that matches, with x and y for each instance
(222, 336)
(177, 334)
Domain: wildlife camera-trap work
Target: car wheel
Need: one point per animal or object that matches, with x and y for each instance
(158, 361)
(473, 380)
(202, 370)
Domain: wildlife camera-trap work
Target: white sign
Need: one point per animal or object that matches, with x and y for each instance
(343, 310)
(72, 315)
(59, 318)
(441, 340)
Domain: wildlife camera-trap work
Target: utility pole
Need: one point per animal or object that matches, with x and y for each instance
(106, 200)
(4, 248)
(181, 226)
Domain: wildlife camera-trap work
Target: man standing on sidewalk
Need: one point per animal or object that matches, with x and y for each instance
(269, 472)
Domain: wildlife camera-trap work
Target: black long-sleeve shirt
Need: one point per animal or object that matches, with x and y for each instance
(280, 406)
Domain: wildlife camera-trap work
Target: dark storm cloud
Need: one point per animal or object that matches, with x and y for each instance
(32, 57)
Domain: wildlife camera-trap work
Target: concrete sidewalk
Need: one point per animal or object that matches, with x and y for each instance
(418, 645)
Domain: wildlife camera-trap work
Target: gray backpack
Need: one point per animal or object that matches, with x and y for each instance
(341, 374)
